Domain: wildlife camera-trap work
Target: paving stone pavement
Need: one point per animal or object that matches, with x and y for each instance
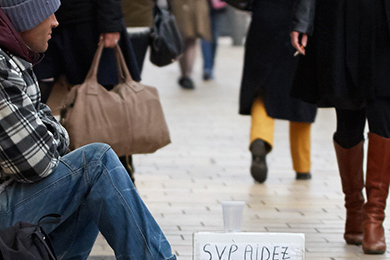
(208, 162)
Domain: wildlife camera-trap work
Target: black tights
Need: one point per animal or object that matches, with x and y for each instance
(351, 123)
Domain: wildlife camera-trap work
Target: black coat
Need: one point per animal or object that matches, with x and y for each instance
(106, 14)
(269, 63)
(74, 42)
(347, 59)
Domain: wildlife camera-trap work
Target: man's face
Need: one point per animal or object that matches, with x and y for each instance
(37, 38)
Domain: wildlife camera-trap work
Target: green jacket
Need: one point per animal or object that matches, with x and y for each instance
(138, 13)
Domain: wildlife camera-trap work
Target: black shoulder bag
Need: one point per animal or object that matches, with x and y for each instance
(166, 41)
(25, 241)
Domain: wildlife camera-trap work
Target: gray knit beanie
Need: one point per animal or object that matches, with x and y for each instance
(27, 14)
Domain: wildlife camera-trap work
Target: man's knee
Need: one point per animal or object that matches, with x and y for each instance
(86, 154)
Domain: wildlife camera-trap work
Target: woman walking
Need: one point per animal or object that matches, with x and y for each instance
(346, 65)
(269, 68)
(192, 17)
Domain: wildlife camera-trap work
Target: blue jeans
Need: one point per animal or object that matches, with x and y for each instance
(92, 192)
(209, 49)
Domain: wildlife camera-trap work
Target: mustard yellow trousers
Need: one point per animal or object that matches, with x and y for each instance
(262, 127)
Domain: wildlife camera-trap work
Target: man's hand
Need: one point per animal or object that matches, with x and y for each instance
(300, 46)
(110, 39)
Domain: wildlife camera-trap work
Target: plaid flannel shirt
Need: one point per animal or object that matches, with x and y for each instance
(31, 139)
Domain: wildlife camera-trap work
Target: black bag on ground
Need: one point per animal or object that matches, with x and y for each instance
(166, 41)
(25, 241)
(244, 5)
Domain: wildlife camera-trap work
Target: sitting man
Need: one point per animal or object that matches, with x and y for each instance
(88, 187)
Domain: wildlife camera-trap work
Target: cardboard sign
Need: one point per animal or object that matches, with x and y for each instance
(248, 246)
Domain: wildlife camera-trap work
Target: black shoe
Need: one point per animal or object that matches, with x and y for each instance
(259, 165)
(186, 83)
(303, 176)
(207, 75)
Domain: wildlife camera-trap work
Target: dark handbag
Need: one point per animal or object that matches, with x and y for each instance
(25, 241)
(244, 5)
(129, 117)
(166, 41)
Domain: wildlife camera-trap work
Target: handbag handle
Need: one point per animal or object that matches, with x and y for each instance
(123, 72)
(92, 89)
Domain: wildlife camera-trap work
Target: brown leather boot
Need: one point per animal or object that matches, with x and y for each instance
(377, 189)
(350, 162)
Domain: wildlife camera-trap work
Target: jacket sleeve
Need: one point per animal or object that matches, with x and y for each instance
(303, 16)
(55, 128)
(31, 142)
(109, 15)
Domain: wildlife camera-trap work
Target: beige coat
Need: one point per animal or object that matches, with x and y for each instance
(138, 13)
(192, 17)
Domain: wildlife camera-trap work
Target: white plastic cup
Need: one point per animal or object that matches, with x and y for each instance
(232, 215)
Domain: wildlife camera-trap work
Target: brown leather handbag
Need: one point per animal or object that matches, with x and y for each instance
(129, 117)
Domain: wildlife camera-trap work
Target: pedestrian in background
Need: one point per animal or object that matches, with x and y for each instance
(269, 68)
(346, 65)
(218, 9)
(73, 45)
(192, 17)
